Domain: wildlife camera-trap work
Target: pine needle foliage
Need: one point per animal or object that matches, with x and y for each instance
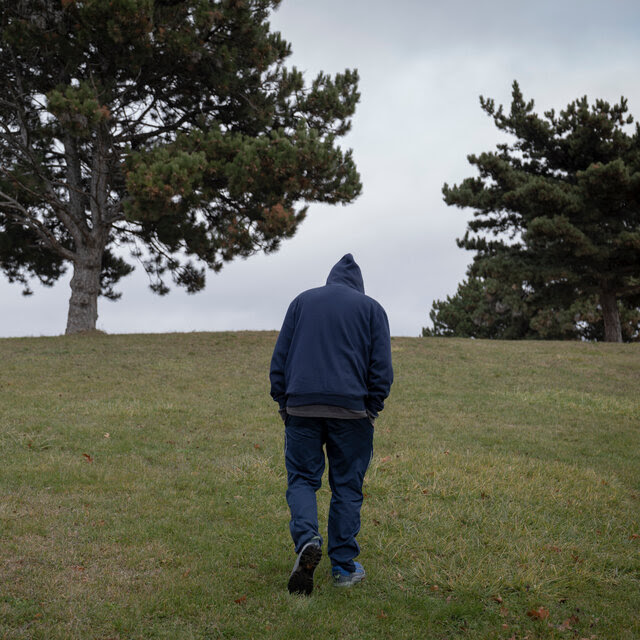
(172, 128)
(557, 210)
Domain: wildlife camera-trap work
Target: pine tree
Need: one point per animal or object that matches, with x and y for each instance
(480, 309)
(171, 127)
(558, 210)
(493, 309)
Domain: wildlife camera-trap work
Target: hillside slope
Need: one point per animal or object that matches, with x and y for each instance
(142, 493)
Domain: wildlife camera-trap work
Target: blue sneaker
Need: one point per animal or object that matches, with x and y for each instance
(301, 578)
(342, 578)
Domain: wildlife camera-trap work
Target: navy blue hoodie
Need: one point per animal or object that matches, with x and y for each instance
(334, 347)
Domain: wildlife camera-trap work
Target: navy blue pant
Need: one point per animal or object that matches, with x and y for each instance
(349, 445)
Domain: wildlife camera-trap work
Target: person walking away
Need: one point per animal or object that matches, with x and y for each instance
(330, 374)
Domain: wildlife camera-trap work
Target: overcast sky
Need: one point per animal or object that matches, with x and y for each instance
(423, 66)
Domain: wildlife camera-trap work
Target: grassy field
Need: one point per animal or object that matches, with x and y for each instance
(142, 494)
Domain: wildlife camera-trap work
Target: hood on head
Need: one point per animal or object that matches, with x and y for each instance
(347, 272)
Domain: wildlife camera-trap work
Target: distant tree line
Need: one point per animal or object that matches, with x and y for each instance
(556, 228)
(487, 308)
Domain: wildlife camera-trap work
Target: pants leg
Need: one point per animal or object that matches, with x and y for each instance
(304, 460)
(349, 449)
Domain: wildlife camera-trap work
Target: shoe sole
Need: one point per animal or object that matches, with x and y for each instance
(301, 580)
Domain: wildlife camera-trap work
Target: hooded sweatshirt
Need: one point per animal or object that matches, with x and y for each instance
(334, 347)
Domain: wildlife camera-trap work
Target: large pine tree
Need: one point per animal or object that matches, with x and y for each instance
(171, 127)
(558, 210)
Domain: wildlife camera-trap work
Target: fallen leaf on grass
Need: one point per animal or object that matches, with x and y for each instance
(539, 614)
(241, 600)
(567, 624)
(381, 615)
(385, 459)
(186, 573)
(88, 457)
(634, 536)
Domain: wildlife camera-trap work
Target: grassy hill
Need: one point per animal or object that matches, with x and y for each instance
(142, 494)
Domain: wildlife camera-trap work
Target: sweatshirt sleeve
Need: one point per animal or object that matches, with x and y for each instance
(279, 358)
(380, 375)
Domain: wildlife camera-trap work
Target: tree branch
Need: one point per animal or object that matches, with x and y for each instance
(139, 138)
(58, 207)
(26, 218)
(71, 221)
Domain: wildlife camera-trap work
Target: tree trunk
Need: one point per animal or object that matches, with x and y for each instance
(611, 316)
(85, 288)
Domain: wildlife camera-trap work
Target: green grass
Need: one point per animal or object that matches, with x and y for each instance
(505, 481)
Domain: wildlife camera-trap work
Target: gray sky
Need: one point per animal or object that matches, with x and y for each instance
(422, 67)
